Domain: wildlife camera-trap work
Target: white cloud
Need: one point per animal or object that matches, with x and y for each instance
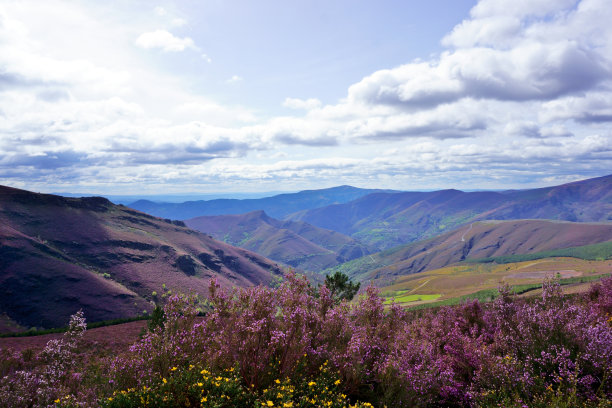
(165, 41)
(212, 113)
(306, 104)
(594, 107)
(529, 71)
(496, 23)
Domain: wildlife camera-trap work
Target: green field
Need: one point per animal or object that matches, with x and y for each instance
(412, 298)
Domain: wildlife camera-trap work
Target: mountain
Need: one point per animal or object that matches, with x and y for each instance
(294, 243)
(277, 206)
(387, 220)
(482, 239)
(60, 254)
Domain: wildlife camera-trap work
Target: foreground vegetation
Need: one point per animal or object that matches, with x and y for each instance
(296, 346)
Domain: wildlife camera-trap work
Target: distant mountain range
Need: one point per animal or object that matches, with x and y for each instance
(171, 198)
(59, 254)
(277, 206)
(294, 243)
(387, 220)
(482, 239)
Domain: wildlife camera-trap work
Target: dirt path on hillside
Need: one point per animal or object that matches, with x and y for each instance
(531, 264)
(420, 286)
(465, 233)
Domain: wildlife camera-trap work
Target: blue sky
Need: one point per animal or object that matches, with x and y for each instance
(184, 96)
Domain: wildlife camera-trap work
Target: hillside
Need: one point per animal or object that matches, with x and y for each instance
(388, 220)
(277, 206)
(481, 239)
(59, 254)
(294, 243)
(454, 284)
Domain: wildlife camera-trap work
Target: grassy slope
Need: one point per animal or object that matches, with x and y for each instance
(595, 252)
(481, 280)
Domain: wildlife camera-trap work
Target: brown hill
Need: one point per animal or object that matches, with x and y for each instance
(60, 254)
(481, 239)
(297, 244)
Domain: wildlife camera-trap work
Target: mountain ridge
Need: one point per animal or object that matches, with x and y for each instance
(388, 220)
(277, 206)
(293, 243)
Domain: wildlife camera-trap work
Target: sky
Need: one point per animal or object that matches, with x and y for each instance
(208, 96)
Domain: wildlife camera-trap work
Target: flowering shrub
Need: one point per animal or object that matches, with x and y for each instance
(470, 355)
(198, 387)
(294, 346)
(42, 384)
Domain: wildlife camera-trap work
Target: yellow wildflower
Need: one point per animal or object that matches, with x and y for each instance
(270, 403)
